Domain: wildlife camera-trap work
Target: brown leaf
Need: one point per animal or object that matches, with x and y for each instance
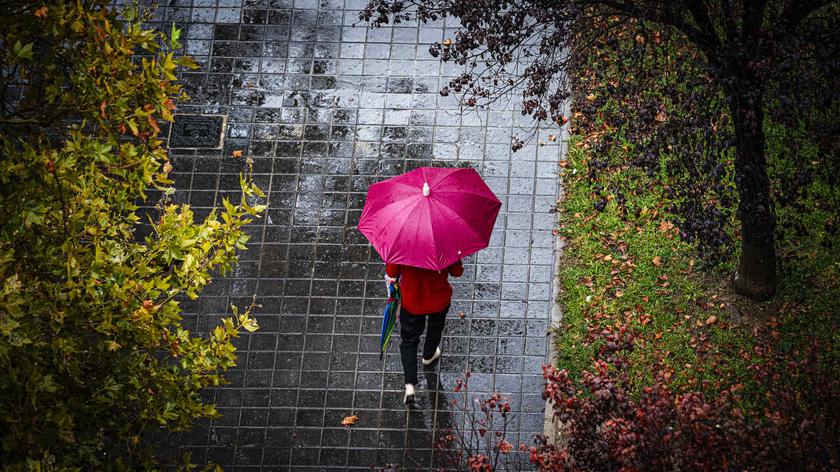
(349, 420)
(711, 320)
(447, 42)
(153, 124)
(237, 153)
(41, 12)
(665, 226)
(657, 261)
(461, 315)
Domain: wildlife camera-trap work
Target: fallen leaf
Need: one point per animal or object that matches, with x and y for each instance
(41, 12)
(665, 226)
(447, 42)
(711, 320)
(552, 137)
(591, 97)
(505, 447)
(349, 420)
(657, 261)
(461, 314)
(237, 153)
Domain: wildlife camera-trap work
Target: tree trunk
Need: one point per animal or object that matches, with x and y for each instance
(755, 276)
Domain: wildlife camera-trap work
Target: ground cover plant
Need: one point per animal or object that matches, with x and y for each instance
(662, 366)
(92, 352)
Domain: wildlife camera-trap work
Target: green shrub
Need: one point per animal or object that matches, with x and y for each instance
(92, 352)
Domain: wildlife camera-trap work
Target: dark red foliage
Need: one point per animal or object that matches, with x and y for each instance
(604, 428)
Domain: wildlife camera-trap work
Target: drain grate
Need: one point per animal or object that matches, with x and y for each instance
(197, 131)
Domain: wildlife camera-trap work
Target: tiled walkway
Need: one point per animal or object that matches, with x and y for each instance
(325, 109)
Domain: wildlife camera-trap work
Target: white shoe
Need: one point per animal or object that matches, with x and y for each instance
(409, 394)
(434, 357)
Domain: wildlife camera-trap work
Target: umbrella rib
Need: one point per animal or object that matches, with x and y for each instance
(402, 228)
(461, 219)
(456, 171)
(492, 197)
(444, 210)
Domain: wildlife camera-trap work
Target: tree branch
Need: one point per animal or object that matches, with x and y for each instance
(798, 10)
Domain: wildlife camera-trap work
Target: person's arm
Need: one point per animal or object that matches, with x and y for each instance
(393, 270)
(456, 269)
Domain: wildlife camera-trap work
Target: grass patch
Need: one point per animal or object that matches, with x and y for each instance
(629, 268)
(627, 274)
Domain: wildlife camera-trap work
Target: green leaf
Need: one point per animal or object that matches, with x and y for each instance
(23, 52)
(174, 36)
(250, 324)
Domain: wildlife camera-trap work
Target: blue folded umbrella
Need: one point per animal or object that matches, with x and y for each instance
(389, 317)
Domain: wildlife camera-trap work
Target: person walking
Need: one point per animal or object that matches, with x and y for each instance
(426, 298)
(422, 224)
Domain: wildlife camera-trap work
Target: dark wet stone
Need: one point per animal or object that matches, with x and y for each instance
(325, 110)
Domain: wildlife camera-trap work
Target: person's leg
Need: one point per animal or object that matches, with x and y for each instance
(411, 327)
(434, 332)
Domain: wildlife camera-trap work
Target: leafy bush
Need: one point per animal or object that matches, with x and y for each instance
(605, 427)
(92, 352)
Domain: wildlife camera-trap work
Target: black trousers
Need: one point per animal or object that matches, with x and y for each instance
(411, 327)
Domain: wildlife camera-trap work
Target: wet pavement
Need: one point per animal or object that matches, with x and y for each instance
(324, 109)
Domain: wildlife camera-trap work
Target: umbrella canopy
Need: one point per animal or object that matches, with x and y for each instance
(429, 217)
(389, 317)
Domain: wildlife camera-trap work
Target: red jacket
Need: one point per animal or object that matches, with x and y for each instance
(424, 291)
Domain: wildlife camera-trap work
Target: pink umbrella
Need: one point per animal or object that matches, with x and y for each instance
(429, 217)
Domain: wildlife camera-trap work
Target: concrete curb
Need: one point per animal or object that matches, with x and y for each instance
(550, 427)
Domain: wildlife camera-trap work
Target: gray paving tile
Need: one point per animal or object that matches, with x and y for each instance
(325, 109)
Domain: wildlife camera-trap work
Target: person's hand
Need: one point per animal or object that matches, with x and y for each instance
(388, 281)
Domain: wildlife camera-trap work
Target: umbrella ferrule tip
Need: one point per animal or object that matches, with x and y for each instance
(425, 189)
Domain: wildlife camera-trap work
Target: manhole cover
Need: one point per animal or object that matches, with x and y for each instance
(197, 131)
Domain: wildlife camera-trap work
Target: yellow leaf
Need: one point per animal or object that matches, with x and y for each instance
(237, 153)
(349, 420)
(447, 42)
